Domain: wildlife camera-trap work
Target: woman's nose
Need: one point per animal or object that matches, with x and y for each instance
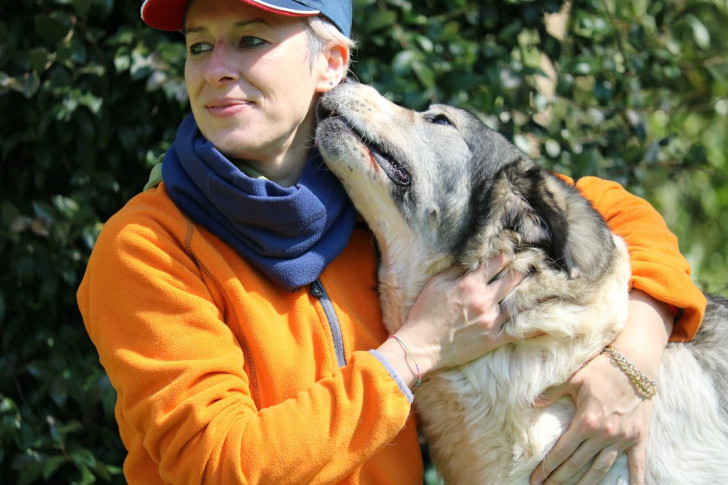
(221, 66)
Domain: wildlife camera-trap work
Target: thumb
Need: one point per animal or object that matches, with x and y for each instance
(553, 394)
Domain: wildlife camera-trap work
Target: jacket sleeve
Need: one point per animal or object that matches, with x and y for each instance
(183, 393)
(658, 268)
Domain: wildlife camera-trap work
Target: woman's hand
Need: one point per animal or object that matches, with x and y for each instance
(455, 319)
(611, 417)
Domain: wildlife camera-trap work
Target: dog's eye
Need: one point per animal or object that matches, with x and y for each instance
(441, 120)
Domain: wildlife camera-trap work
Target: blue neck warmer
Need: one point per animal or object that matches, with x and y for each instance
(289, 233)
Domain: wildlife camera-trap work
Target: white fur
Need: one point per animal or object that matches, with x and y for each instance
(479, 420)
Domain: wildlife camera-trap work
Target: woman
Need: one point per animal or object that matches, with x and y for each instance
(233, 305)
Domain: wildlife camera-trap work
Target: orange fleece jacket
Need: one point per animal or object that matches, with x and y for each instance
(224, 378)
(658, 268)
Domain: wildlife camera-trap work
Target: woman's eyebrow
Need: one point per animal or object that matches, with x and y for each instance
(243, 23)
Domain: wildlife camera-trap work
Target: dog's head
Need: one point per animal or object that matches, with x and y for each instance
(460, 188)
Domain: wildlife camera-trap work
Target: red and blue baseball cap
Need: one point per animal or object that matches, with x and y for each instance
(169, 14)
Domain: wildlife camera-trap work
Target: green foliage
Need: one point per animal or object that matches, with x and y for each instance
(640, 96)
(90, 98)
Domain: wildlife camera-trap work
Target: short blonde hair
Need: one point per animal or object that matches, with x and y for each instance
(321, 32)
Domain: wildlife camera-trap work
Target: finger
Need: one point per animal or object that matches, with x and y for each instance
(553, 394)
(505, 284)
(574, 466)
(502, 317)
(480, 277)
(636, 459)
(559, 454)
(600, 467)
(492, 267)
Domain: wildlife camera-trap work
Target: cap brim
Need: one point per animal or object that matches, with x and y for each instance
(164, 14)
(169, 14)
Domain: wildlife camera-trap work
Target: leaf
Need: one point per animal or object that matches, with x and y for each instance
(122, 58)
(82, 7)
(65, 205)
(93, 103)
(402, 62)
(50, 465)
(380, 20)
(24, 436)
(701, 35)
(424, 73)
(51, 28)
(79, 53)
(38, 57)
(83, 456)
(86, 476)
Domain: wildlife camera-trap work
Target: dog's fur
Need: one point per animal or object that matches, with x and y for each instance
(438, 188)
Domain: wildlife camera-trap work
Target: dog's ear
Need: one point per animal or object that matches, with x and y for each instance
(529, 205)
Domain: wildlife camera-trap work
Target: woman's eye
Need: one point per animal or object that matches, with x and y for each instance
(441, 120)
(249, 41)
(199, 48)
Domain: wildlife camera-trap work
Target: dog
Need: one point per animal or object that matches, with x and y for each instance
(438, 188)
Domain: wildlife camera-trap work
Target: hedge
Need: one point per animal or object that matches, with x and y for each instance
(90, 99)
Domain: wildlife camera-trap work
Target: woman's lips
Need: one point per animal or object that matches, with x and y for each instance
(226, 107)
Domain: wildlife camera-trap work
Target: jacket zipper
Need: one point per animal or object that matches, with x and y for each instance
(248, 354)
(319, 292)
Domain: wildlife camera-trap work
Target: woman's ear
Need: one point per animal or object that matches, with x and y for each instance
(335, 63)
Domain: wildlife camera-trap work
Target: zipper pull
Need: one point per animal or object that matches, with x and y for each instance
(316, 289)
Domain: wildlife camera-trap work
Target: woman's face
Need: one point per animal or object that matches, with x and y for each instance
(251, 83)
